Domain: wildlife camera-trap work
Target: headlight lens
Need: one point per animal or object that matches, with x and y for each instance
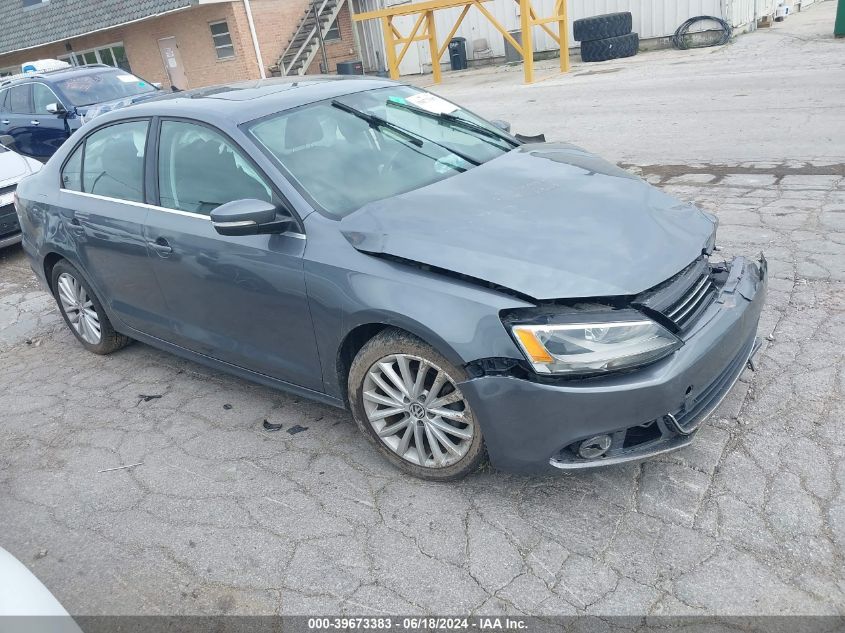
(594, 346)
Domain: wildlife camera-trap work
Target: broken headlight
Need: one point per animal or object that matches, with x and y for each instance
(594, 343)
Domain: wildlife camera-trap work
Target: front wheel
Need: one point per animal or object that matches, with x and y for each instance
(406, 400)
(83, 312)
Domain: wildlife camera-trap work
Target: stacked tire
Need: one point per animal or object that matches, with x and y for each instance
(605, 37)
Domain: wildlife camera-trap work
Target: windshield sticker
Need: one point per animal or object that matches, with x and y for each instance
(432, 103)
(128, 79)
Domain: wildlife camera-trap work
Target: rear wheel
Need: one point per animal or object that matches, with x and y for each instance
(406, 400)
(83, 312)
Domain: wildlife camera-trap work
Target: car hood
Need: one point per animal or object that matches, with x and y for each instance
(549, 221)
(13, 167)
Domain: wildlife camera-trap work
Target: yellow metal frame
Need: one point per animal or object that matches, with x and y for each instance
(424, 30)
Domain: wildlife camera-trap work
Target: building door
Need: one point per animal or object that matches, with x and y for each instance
(173, 62)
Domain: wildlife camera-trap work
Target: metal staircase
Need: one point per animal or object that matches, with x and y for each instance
(305, 42)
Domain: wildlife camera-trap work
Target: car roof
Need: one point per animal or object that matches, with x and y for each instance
(248, 100)
(59, 73)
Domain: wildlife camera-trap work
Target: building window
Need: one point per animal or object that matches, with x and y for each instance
(111, 55)
(333, 33)
(222, 40)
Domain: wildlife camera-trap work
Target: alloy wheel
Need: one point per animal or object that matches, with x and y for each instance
(79, 308)
(417, 410)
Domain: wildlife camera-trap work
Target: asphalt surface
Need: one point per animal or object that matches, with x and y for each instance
(222, 516)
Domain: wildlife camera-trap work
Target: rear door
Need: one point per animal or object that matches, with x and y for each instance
(4, 111)
(241, 300)
(102, 203)
(16, 120)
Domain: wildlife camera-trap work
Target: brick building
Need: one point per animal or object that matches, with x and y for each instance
(186, 43)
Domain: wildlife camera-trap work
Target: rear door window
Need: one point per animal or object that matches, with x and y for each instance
(72, 173)
(20, 99)
(113, 161)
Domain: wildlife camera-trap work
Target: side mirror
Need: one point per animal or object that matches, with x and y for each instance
(247, 217)
(56, 108)
(502, 125)
(540, 138)
(7, 141)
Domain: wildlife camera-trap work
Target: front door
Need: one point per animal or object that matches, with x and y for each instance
(17, 119)
(241, 300)
(173, 62)
(49, 130)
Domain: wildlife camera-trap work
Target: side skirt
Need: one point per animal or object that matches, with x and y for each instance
(229, 368)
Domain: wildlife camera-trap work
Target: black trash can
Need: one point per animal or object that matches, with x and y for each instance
(458, 53)
(350, 68)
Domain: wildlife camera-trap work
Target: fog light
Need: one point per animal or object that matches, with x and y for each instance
(594, 447)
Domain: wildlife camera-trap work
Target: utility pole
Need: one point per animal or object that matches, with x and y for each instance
(839, 27)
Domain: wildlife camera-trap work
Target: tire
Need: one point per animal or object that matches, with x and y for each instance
(610, 48)
(387, 349)
(70, 288)
(601, 27)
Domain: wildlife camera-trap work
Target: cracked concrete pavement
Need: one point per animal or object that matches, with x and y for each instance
(223, 516)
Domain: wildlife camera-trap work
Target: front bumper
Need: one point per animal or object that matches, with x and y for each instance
(533, 426)
(10, 228)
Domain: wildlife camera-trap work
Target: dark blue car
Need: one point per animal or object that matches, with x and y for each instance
(373, 246)
(41, 110)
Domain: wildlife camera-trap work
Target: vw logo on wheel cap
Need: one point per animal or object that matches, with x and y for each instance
(417, 410)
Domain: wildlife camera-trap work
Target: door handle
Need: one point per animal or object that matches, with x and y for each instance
(5, 121)
(35, 122)
(161, 246)
(76, 225)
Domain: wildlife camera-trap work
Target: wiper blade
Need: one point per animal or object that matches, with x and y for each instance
(456, 121)
(377, 121)
(416, 139)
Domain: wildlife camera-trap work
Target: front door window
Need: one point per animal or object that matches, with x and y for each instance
(199, 169)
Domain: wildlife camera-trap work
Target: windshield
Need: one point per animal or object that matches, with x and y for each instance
(85, 90)
(347, 152)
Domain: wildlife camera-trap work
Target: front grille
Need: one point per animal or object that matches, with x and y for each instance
(8, 217)
(679, 302)
(684, 312)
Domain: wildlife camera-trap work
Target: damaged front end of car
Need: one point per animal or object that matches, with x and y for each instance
(625, 378)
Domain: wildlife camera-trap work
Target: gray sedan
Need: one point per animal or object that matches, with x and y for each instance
(465, 293)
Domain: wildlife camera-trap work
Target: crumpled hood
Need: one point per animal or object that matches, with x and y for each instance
(13, 167)
(549, 221)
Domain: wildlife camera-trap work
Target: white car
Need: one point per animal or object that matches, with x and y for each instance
(24, 601)
(13, 169)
